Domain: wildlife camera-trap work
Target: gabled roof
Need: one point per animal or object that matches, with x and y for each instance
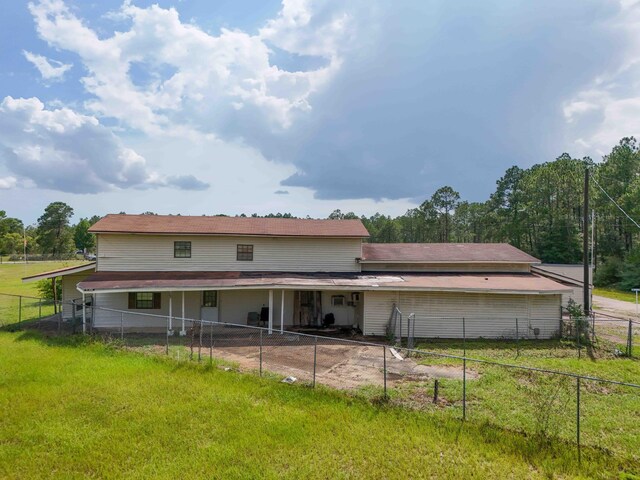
(61, 272)
(444, 253)
(204, 225)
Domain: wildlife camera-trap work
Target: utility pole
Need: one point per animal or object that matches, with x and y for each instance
(585, 243)
(593, 239)
(24, 243)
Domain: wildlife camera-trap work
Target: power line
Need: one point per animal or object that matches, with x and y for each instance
(614, 202)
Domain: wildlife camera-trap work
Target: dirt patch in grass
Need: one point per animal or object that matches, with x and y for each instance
(337, 366)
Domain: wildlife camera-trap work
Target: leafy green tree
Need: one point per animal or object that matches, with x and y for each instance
(84, 240)
(54, 233)
(45, 289)
(12, 243)
(630, 271)
(445, 200)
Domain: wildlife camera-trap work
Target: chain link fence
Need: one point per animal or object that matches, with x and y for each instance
(541, 403)
(22, 310)
(593, 336)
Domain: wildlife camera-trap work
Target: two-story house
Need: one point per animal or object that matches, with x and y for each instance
(290, 272)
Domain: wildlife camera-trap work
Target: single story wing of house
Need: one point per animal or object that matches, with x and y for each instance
(293, 273)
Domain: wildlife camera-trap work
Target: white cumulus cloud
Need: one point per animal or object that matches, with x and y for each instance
(63, 150)
(198, 81)
(609, 107)
(49, 69)
(7, 183)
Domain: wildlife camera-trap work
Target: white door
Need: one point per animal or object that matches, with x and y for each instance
(209, 306)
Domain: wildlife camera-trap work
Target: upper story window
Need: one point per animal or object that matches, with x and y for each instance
(181, 249)
(244, 253)
(144, 300)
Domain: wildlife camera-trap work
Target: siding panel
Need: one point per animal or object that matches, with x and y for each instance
(439, 314)
(69, 292)
(445, 267)
(210, 253)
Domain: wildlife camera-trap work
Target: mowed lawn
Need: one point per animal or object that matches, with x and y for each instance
(615, 294)
(72, 408)
(11, 287)
(11, 275)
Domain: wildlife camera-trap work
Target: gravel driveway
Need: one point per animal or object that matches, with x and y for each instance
(614, 307)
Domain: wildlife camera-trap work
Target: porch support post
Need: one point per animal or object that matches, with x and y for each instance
(183, 332)
(84, 313)
(170, 314)
(270, 312)
(282, 313)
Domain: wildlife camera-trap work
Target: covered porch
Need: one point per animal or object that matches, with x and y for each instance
(275, 309)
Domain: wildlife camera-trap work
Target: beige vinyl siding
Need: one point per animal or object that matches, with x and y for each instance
(439, 314)
(445, 267)
(576, 294)
(218, 253)
(70, 292)
(133, 321)
(235, 305)
(377, 310)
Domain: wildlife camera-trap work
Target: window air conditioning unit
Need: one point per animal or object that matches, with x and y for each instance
(338, 301)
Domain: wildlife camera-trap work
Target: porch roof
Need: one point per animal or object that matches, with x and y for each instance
(523, 283)
(61, 272)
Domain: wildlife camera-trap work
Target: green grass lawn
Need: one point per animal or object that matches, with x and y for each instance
(615, 294)
(11, 275)
(75, 409)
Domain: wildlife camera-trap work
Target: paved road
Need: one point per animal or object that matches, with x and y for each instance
(614, 307)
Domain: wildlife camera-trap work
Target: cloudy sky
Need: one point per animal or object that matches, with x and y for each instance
(301, 106)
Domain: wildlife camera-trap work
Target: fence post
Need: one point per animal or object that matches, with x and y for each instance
(464, 337)
(122, 326)
(39, 309)
(73, 320)
(517, 339)
(200, 345)
(211, 345)
(166, 349)
(630, 340)
(315, 358)
(384, 356)
(578, 335)
(464, 388)
(578, 416)
(193, 332)
(261, 352)
(20, 310)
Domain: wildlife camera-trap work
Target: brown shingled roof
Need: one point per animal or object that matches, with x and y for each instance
(491, 283)
(444, 253)
(204, 225)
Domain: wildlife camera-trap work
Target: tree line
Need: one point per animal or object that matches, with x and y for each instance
(52, 237)
(538, 209)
